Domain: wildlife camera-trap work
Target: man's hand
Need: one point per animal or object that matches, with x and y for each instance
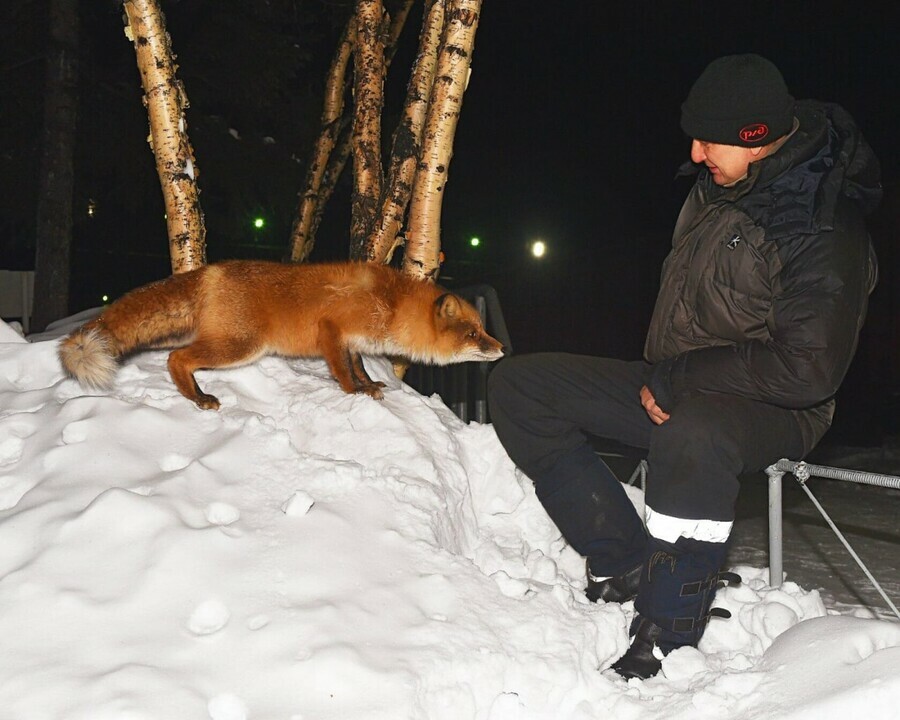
(653, 410)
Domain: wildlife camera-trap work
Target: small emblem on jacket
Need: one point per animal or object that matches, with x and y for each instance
(733, 243)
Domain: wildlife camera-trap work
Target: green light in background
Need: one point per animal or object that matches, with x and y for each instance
(259, 223)
(475, 242)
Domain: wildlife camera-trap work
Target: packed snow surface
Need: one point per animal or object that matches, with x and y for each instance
(303, 553)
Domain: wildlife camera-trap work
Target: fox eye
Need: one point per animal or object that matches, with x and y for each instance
(472, 334)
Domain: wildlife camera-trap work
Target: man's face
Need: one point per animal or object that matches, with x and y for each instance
(727, 163)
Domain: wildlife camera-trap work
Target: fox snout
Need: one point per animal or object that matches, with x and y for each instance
(489, 348)
(477, 346)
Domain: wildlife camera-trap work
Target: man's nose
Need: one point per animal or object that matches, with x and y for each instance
(697, 153)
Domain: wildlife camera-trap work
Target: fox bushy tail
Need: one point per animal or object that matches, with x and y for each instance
(157, 315)
(88, 356)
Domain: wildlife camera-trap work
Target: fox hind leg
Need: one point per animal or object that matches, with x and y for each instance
(207, 354)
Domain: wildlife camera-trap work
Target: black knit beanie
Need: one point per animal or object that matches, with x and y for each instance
(738, 100)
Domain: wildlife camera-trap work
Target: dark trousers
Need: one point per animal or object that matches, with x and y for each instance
(543, 406)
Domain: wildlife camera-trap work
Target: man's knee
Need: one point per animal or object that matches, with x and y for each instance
(501, 388)
(502, 377)
(507, 397)
(514, 377)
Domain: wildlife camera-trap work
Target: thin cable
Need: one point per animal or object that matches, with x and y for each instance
(841, 537)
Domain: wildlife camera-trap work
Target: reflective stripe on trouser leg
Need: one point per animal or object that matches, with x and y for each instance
(668, 528)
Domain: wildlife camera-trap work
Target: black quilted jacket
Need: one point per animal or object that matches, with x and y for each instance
(766, 287)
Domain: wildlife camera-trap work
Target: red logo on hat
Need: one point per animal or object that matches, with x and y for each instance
(754, 132)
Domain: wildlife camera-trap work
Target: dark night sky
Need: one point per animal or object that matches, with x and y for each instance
(573, 107)
(569, 133)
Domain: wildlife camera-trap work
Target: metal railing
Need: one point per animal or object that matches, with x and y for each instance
(803, 471)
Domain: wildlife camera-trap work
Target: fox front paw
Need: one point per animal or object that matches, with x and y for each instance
(207, 402)
(373, 390)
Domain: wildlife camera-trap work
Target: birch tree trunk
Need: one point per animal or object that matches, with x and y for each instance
(423, 243)
(368, 97)
(333, 145)
(166, 101)
(407, 141)
(306, 223)
(54, 203)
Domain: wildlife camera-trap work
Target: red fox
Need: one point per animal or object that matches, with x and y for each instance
(234, 312)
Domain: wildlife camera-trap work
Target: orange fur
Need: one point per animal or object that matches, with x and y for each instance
(234, 312)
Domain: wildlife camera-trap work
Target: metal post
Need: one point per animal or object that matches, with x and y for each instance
(640, 471)
(481, 413)
(776, 530)
(459, 391)
(27, 294)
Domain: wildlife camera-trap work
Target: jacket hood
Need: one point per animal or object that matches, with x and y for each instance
(828, 148)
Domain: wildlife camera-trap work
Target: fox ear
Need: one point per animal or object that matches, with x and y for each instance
(447, 306)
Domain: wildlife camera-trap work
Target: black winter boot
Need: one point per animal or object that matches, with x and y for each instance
(639, 660)
(678, 583)
(678, 587)
(618, 588)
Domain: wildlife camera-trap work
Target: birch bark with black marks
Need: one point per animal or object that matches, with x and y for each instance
(320, 182)
(311, 203)
(423, 241)
(368, 98)
(166, 101)
(407, 140)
